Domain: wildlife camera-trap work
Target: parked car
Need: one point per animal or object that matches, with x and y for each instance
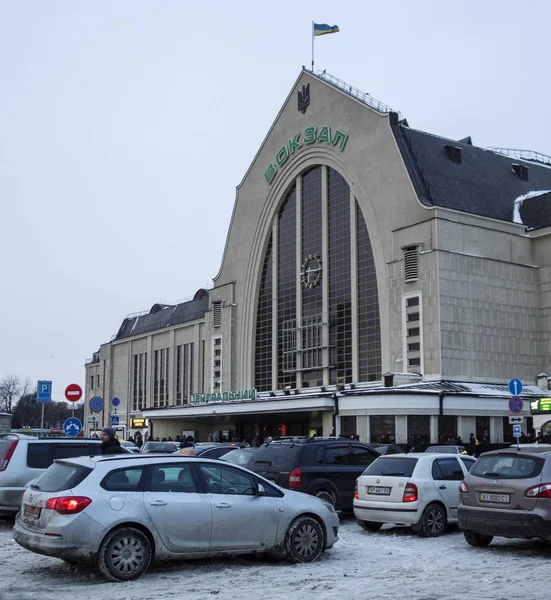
(25, 457)
(120, 512)
(159, 448)
(323, 467)
(445, 449)
(130, 446)
(215, 450)
(239, 456)
(418, 489)
(387, 448)
(507, 493)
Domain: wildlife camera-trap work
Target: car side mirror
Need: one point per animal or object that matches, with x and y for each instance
(260, 490)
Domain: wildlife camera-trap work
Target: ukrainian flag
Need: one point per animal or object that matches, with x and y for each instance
(322, 29)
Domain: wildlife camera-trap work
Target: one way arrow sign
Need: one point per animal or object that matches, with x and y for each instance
(516, 420)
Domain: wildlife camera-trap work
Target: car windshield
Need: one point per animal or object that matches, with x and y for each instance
(508, 466)
(392, 467)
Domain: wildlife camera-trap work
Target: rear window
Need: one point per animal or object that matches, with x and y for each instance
(61, 476)
(399, 467)
(41, 455)
(277, 455)
(508, 466)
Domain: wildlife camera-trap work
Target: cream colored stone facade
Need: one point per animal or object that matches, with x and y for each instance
(484, 285)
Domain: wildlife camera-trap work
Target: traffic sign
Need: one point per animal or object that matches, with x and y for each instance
(515, 386)
(114, 421)
(73, 392)
(44, 391)
(513, 420)
(516, 405)
(516, 431)
(72, 426)
(96, 404)
(115, 401)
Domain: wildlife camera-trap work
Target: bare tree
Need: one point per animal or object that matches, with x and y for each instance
(11, 389)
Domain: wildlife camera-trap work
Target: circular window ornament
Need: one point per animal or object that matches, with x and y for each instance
(310, 274)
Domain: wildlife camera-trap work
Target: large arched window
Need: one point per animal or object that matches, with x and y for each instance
(319, 268)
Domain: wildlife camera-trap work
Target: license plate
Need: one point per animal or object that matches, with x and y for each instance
(378, 490)
(32, 511)
(500, 498)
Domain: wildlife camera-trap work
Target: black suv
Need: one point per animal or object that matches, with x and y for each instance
(320, 466)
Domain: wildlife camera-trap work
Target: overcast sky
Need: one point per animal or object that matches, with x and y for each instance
(125, 127)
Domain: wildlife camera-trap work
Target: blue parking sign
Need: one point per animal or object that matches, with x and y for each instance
(44, 391)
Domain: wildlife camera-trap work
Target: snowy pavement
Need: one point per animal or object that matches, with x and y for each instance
(392, 563)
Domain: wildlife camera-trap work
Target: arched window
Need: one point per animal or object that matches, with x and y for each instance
(326, 289)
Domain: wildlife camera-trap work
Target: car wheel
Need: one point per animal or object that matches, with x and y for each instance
(478, 539)
(370, 525)
(124, 554)
(326, 496)
(433, 522)
(305, 540)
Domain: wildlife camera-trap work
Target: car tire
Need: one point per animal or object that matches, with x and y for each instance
(370, 525)
(305, 540)
(479, 540)
(124, 554)
(326, 496)
(433, 522)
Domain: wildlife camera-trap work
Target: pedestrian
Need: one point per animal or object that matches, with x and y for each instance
(109, 442)
(187, 443)
(255, 443)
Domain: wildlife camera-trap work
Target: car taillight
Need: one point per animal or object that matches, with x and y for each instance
(295, 479)
(410, 493)
(68, 505)
(5, 460)
(463, 488)
(356, 495)
(539, 491)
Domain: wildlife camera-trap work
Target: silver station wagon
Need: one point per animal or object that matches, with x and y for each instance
(120, 512)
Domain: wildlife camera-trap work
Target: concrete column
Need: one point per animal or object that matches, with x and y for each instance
(362, 427)
(401, 429)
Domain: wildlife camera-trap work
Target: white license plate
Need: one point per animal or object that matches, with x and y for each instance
(379, 490)
(32, 511)
(503, 498)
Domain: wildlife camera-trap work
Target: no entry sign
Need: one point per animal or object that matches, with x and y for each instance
(73, 392)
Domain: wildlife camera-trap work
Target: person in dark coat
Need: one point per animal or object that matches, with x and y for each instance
(188, 442)
(109, 443)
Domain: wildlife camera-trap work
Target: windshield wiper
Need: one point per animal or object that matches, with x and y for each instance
(492, 474)
(34, 486)
(393, 474)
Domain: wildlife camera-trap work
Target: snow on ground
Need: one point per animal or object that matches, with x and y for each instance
(392, 564)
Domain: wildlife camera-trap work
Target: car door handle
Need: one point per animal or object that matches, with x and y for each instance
(158, 503)
(223, 505)
(442, 487)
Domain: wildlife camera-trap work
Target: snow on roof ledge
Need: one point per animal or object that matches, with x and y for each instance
(518, 202)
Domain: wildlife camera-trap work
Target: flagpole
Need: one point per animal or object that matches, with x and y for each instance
(313, 46)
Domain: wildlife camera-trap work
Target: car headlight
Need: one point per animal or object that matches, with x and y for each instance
(329, 506)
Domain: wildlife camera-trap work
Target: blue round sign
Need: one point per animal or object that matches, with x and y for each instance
(72, 426)
(516, 405)
(96, 404)
(115, 401)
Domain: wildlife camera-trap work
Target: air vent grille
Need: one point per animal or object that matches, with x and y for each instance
(411, 264)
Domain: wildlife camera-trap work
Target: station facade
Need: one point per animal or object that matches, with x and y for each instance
(376, 280)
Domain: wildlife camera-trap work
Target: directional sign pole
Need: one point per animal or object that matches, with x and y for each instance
(42, 420)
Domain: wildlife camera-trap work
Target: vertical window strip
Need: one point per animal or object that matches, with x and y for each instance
(286, 291)
(263, 353)
(340, 294)
(369, 326)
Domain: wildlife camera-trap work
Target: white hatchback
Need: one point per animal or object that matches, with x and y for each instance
(417, 489)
